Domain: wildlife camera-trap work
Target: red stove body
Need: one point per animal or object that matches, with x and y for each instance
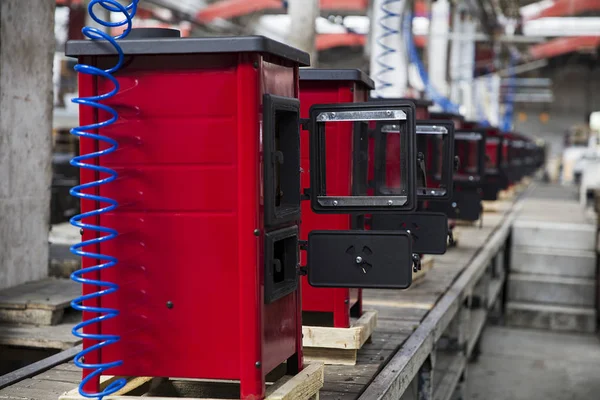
(422, 107)
(330, 87)
(192, 244)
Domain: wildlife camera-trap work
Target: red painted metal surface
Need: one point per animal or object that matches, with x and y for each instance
(227, 9)
(556, 47)
(339, 182)
(562, 8)
(190, 197)
(326, 41)
(235, 8)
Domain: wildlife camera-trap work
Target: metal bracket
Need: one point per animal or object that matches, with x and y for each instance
(305, 123)
(428, 230)
(451, 242)
(362, 259)
(416, 259)
(305, 194)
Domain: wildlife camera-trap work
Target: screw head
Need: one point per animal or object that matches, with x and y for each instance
(408, 231)
(388, 112)
(390, 202)
(454, 204)
(257, 232)
(332, 115)
(257, 364)
(255, 64)
(169, 304)
(81, 231)
(335, 203)
(359, 259)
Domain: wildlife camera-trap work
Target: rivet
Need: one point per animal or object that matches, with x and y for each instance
(169, 304)
(81, 231)
(358, 259)
(257, 364)
(255, 64)
(390, 202)
(257, 232)
(335, 203)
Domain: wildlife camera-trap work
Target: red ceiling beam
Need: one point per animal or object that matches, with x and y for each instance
(561, 46)
(326, 41)
(563, 8)
(346, 5)
(68, 2)
(227, 9)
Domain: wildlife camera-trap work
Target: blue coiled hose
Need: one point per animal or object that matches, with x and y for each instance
(104, 234)
(413, 55)
(507, 118)
(387, 50)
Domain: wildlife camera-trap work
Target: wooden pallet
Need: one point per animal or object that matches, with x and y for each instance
(507, 194)
(58, 337)
(493, 207)
(460, 222)
(303, 386)
(426, 264)
(338, 346)
(41, 302)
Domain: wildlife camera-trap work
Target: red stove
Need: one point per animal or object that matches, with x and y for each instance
(495, 178)
(209, 204)
(332, 86)
(422, 107)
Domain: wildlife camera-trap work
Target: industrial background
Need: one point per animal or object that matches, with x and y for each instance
(518, 66)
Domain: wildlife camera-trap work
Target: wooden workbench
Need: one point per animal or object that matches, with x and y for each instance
(422, 342)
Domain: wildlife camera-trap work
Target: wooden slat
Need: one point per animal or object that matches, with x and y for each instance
(449, 376)
(476, 322)
(341, 338)
(46, 294)
(35, 389)
(41, 303)
(36, 368)
(45, 337)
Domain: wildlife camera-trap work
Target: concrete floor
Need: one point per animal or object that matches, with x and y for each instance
(521, 364)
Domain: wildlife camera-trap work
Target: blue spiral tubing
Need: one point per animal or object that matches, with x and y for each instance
(387, 50)
(413, 54)
(507, 118)
(104, 233)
